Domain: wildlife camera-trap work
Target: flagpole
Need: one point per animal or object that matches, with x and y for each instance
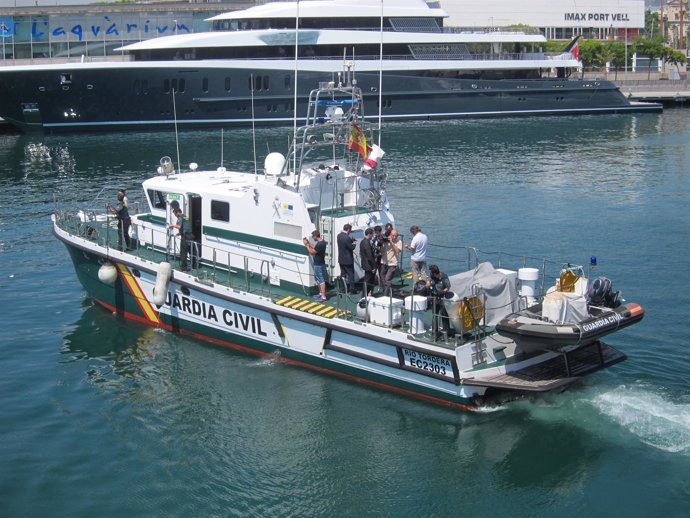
(380, 75)
(294, 117)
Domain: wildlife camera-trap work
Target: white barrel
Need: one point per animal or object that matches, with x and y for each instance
(160, 291)
(528, 278)
(451, 305)
(416, 305)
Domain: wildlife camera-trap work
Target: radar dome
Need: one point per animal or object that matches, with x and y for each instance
(273, 164)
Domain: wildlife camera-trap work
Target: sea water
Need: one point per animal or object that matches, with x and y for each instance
(103, 417)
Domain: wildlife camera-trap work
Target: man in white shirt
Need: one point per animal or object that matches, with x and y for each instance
(418, 247)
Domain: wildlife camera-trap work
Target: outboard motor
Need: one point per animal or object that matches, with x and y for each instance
(600, 293)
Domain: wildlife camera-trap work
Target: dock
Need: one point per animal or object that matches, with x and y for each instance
(668, 92)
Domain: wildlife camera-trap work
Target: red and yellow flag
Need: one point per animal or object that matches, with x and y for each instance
(358, 141)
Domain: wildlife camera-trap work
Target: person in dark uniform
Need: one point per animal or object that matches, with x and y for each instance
(346, 259)
(377, 244)
(438, 285)
(185, 233)
(318, 252)
(124, 221)
(368, 262)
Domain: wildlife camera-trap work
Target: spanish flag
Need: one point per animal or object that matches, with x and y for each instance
(358, 142)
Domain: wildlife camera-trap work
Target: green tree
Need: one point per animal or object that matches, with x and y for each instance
(590, 53)
(651, 48)
(606, 55)
(652, 27)
(617, 48)
(674, 57)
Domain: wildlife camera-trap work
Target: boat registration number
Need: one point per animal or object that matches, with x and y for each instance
(418, 361)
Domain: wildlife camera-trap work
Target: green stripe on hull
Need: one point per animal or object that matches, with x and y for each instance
(252, 239)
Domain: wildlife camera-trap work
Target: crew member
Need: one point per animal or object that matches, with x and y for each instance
(124, 222)
(318, 252)
(439, 285)
(185, 232)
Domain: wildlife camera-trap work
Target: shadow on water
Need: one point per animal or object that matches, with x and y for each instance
(122, 349)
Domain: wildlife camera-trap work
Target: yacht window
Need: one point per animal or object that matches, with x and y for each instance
(182, 85)
(166, 86)
(260, 83)
(228, 84)
(288, 82)
(65, 79)
(220, 210)
(204, 85)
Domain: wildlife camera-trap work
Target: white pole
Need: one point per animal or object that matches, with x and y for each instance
(381, 76)
(294, 108)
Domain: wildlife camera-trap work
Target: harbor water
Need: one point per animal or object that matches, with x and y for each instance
(103, 417)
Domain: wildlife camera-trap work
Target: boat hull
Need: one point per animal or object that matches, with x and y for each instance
(533, 334)
(263, 328)
(101, 97)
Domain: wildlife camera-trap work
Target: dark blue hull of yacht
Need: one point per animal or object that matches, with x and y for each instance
(83, 98)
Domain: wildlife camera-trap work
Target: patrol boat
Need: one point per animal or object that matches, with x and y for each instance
(251, 287)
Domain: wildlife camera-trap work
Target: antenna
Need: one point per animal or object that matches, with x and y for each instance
(294, 102)
(177, 140)
(381, 75)
(253, 127)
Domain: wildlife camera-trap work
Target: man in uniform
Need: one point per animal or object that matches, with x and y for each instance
(438, 285)
(185, 232)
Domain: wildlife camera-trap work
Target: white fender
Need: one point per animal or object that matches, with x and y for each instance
(162, 278)
(107, 274)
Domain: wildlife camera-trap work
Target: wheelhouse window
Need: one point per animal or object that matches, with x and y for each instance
(156, 199)
(220, 211)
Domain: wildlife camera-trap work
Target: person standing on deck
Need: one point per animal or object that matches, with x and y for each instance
(418, 247)
(124, 221)
(368, 262)
(185, 233)
(391, 253)
(346, 259)
(318, 252)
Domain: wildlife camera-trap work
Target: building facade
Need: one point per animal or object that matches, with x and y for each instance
(70, 32)
(556, 19)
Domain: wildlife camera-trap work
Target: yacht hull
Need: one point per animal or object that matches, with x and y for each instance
(101, 97)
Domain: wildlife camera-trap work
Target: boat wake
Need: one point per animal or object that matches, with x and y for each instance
(654, 419)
